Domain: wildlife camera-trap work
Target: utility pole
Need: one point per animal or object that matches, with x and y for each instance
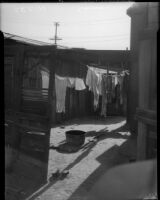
(55, 37)
(53, 64)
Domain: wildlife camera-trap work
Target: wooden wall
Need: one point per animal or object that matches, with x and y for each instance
(67, 63)
(145, 25)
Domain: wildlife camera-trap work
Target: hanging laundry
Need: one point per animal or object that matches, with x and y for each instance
(71, 82)
(95, 89)
(93, 80)
(100, 84)
(109, 89)
(79, 84)
(120, 80)
(45, 79)
(113, 87)
(60, 87)
(116, 80)
(89, 78)
(117, 91)
(104, 96)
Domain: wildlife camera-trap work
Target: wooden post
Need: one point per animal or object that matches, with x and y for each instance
(51, 92)
(144, 77)
(20, 77)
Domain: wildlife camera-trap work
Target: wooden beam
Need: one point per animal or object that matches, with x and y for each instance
(51, 92)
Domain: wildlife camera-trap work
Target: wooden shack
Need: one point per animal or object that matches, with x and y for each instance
(27, 106)
(143, 78)
(30, 101)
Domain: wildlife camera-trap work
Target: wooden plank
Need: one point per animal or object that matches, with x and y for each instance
(141, 141)
(82, 103)
(151, 114)
(148, 33)
(51, 92)
(147, 121)
(30, 116)
(19, 75)
(147, 116)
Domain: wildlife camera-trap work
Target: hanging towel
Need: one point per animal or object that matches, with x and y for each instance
(79, 84)
(45, 79)
(60, 87)
(96, 88)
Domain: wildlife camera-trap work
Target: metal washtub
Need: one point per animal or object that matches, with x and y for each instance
(75, 137)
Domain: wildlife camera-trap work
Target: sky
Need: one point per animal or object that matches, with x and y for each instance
(101, 26)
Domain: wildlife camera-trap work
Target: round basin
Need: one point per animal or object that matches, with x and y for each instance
(75, 137)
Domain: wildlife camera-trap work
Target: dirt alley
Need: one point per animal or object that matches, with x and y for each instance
(89, 163)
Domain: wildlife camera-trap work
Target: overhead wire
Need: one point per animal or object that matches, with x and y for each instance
(87, 37)
(101, 40)
(93, 21)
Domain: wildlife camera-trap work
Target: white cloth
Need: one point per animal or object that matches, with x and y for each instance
(71, 82)
(116, 80)
(89, 79)
(93, 80)
(45, 79)
(61, 84)
(76, 83)
(120, 81)
(79, 84)
(60, 87)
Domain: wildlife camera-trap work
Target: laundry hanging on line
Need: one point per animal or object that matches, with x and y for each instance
(93, 80)
(61, 84)
(79, 84)
(104, 96)
(110, 87)
(60, 87)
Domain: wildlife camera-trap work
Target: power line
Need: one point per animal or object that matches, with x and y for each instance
(93, 21)
(87, 37)
(99, 39)
(109, 40)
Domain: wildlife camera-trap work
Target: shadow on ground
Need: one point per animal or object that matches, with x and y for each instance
(96, 136)
(108, 159)
(111, 158)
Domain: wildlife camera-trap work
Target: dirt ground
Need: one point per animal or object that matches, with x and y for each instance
(87, 165)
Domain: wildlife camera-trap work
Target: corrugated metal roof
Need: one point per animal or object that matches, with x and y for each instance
(25, 40)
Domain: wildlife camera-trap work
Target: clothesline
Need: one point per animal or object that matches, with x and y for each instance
(104, 71)
(117, 75)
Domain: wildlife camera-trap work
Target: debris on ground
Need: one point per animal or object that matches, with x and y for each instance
(53, 147)
(54, 175)
(66, 148)
(62, 127)
(58, 175)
